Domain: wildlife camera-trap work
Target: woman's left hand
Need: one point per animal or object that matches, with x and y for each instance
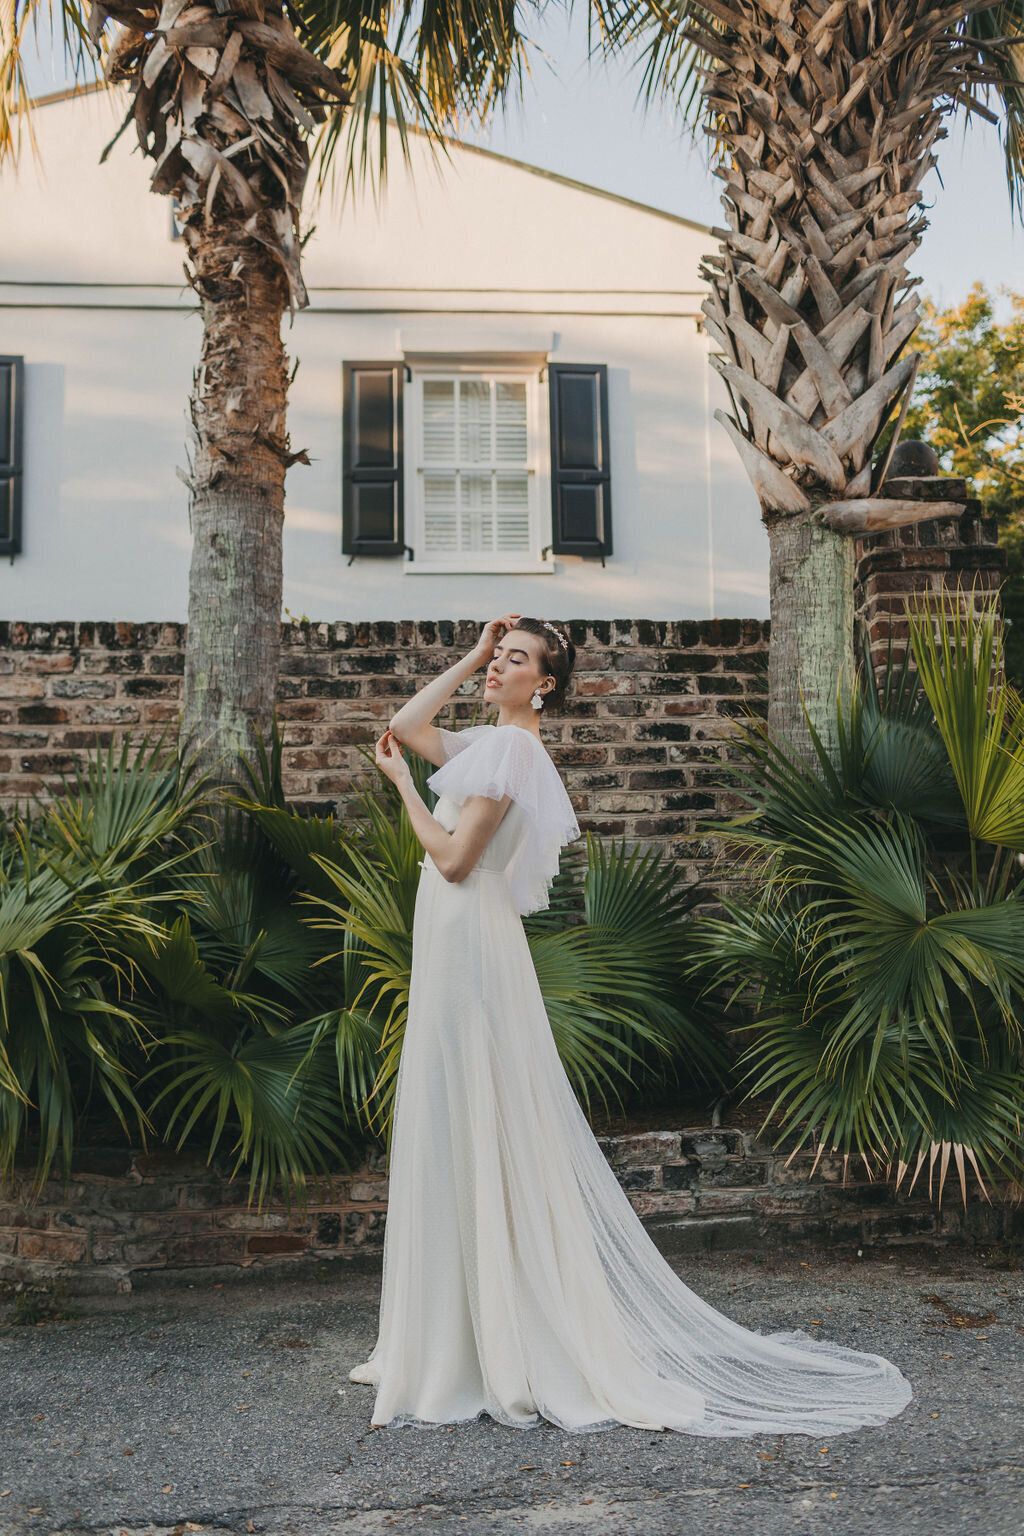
(388, 756)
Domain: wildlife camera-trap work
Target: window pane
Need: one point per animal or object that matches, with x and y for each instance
(510, 418)
(513, 499)
(475, 433)
(476, 490)
(440, 524)
(477, 506)
(438, 421)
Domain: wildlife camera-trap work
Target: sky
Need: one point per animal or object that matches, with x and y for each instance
(581, 119)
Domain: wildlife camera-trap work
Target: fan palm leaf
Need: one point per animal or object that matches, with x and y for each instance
(887, 975)
(284, 1106)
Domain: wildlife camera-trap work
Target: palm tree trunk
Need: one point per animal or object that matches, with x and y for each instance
(812, 628)
(238, 406)
(825, 118)
(223, 104)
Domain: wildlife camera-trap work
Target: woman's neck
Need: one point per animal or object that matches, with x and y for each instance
(526, 718)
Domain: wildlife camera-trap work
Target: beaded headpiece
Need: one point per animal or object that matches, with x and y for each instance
(563, 642)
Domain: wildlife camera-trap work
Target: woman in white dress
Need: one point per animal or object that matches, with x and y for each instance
(518, 1280)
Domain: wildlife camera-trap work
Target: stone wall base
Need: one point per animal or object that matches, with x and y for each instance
(129, 1218)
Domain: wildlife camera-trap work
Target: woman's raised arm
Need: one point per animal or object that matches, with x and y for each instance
(412, 724)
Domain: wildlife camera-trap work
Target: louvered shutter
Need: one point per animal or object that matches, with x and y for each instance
(372, 514)
(12, 388)
(580, 470)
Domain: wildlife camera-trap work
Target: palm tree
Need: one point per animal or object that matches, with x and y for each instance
(824, 118)
(227, 100)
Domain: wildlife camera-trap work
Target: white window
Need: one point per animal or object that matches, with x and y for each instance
(476, 466)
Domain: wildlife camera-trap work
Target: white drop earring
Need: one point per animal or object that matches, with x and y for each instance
(537, 700)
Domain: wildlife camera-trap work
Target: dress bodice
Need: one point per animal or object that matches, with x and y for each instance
(505, 841)
(508, 760)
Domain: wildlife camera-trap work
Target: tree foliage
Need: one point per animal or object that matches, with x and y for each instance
(969, 405)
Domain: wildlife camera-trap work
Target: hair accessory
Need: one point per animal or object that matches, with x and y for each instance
(537, 699)
(563, 642)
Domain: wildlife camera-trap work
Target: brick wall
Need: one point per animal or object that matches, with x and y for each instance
(952, 553)
(639, 747)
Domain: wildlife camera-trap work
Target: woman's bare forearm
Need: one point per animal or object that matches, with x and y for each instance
(420, 710)
(434, 838)
(455, 853)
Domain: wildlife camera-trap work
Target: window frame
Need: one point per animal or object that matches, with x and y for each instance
(538, 465)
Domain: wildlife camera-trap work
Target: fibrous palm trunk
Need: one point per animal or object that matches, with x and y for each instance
(825, 117)
(222, 100)
(233, 645)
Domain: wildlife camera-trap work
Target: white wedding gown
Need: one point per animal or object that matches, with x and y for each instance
(518, 1280)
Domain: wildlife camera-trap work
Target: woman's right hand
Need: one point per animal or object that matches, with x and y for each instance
(491, 633)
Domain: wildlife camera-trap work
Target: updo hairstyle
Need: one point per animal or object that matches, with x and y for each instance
(559, 659)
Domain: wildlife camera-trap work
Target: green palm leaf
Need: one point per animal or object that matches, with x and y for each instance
(282, 1103)
(885, 971)
(980, 719)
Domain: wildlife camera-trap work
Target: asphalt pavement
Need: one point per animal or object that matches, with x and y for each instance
(216, 1408)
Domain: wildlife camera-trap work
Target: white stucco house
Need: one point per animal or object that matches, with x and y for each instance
(500, 382)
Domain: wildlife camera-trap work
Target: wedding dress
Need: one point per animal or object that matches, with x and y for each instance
(518, 1280)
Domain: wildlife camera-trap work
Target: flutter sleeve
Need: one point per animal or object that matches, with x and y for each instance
(457, 741)
(508, 760)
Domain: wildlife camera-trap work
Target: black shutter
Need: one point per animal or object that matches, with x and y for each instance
(12, 391)
(371, 511)
(580, 472)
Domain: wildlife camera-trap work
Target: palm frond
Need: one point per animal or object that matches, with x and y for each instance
(991, 27)
(958, 654)
(282, 1102)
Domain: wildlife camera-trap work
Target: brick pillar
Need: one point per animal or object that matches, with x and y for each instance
(952, 552)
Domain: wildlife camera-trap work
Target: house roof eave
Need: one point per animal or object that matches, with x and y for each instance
(71, 91)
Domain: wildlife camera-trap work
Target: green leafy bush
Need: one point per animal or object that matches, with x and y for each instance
(885, 938)
(83, 883)
(223, 971)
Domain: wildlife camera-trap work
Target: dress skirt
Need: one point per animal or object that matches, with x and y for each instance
(518, 1280)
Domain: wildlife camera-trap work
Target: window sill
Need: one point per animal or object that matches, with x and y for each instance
(478, 568)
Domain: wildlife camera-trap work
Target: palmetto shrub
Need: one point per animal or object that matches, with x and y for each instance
(240, 983)
(884, 933)
(84, 882)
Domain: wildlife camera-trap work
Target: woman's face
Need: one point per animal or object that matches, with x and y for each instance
(516, 669)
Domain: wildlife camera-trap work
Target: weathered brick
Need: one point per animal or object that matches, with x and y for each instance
(53, 1247)
(22, 687)
(83, 688)
(112, 714)
(42, 714)
(279, 1242)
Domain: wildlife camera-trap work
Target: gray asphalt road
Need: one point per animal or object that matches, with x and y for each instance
(218, 1409)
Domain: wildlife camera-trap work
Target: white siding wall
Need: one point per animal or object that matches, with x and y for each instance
(91, 293)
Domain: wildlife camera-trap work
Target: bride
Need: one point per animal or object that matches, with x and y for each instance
(518, 1280)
